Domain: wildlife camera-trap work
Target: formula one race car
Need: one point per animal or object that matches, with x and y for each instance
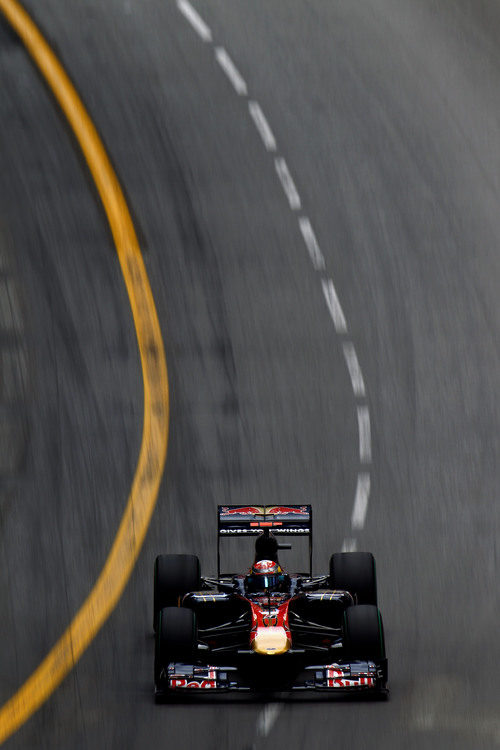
(267, 631)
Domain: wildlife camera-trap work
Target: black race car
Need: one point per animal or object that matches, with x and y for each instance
(267, 631)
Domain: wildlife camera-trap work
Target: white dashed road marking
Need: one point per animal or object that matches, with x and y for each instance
(365, 440)
(361, 501)
(315, 253)
(267, 718)
(349, 545)
(195, 20)
(270, 712)
(231, 71)
(333, 304)
(358, 384)
(287, 182)
(262, 126)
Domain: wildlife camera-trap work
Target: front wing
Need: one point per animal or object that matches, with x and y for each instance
(182, 680)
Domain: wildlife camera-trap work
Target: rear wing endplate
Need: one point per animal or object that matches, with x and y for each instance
(252, 520)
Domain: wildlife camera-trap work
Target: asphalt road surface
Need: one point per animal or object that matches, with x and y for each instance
(387, 114)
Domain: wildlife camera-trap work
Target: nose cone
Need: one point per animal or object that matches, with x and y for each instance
(271, 641)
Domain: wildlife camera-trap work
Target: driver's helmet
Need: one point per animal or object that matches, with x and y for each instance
(266, 575)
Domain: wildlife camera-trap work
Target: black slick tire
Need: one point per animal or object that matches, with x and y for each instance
(355, 572)
(174, 576)
(363, 633)
(176, 638)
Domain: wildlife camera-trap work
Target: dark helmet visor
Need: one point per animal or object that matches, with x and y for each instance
(256, 583)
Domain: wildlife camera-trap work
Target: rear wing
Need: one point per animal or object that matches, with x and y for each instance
(248, 520)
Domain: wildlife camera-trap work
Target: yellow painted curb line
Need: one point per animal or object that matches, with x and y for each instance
(134, 524)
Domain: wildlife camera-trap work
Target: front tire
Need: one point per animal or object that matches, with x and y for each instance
(176, 638)
(364, 633)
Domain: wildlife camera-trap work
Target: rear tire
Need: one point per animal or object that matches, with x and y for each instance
(176, 638)
(174, 576)
(364, 633)
(355, 572)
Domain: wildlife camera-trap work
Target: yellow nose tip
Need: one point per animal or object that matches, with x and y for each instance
(271, 641)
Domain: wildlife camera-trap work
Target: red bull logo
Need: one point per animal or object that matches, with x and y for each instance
(279, 509)
(250, 510)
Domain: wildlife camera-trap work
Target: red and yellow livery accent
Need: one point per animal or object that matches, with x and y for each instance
(270, 633)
